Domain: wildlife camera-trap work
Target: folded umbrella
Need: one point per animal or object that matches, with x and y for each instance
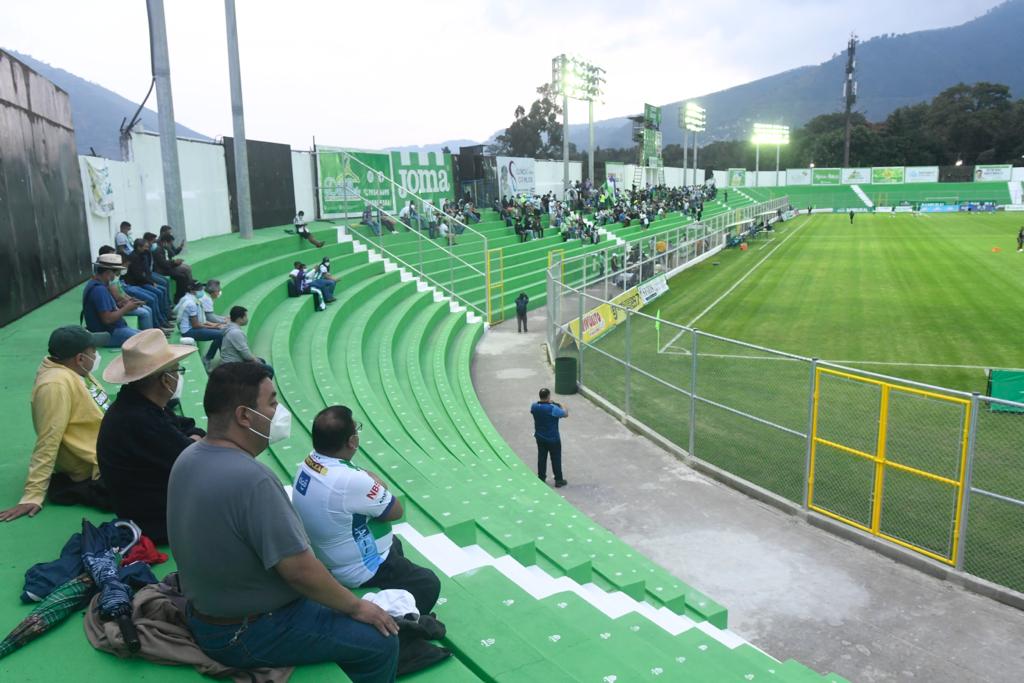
(115, 602)
(62, 601)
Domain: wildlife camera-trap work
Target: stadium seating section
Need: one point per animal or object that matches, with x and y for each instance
(843, 196)
(532, 590)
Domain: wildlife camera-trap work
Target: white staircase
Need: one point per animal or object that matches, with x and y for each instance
(1016, 193)
(863, 196)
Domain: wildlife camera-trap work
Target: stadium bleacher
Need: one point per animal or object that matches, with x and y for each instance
(844, 197)
(531, 588)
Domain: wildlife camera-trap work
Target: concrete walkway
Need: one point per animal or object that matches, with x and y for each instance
(793, 590)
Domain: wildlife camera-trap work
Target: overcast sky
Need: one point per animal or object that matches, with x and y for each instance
(384, 73)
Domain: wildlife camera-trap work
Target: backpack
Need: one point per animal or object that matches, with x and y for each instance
(293, 287)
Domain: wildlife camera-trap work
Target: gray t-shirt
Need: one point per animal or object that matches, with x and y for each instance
(229, 522)
(234, 347)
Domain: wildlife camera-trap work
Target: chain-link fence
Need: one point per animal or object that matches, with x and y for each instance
(934, 470)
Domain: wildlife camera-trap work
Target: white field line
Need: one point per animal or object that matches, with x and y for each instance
(748, 273)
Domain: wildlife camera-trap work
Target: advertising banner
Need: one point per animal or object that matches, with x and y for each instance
(856, 176)
(516, 175)
(101, 190)
(826, 176)
(737, 177)
(652, 289)
(887, 175)
(596, 322)
(921, 174)
(628, 300)
(347, 183)
(938, 207)
(425, 174)
(798, 176)
(993, 173)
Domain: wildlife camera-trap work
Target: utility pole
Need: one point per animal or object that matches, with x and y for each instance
(849, 93)
(165, 116)
(243, 199)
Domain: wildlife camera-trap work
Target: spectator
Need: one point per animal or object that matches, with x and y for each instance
(369, 221)
(123, 242)
(385, 221)
(211, 292)
(302, 229)
(322, 271)
(193, 323)
(166, 263)
(167, 230)
(257, 594)
(162, 280)
(521, 301)
(139, 276)
(149, 312)
(335, 499)
(67, 407)
(139, 438)
(99, 309)
(546, 415)
(235, 347)
(306, 280)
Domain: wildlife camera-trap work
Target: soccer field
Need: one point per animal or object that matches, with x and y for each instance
(924, 297)
(928, 298)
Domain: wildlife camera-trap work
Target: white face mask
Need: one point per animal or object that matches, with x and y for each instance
(95, 364)
(280, 424)
(178, 383)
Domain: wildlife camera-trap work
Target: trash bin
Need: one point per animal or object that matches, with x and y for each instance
(565, 375)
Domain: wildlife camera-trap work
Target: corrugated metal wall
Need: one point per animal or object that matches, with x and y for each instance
(44, 240)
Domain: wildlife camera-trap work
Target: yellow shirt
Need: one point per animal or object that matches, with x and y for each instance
(66, 414)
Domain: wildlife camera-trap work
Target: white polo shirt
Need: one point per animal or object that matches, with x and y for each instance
(335, 500)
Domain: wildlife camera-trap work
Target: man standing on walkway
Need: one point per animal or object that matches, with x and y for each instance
(521, 301)
(546, 415)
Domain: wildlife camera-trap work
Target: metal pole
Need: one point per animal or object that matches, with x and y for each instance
(629, 362)
(693, 393)
(965, 503)
(686, 149)
(165, 116)
(579, 364)
(590, 160)
(243, 200)
(565, 145)
(757, 165)
(810, 431)
(778, 155)
(695, 159)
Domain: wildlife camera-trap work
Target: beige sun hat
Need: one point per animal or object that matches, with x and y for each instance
(110, 261)
(144, 354)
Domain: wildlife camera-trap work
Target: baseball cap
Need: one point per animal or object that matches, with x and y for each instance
(72, 339)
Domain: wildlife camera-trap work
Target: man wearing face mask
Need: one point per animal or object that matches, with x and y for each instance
(67, 406)
(257, 595)
(139, 438)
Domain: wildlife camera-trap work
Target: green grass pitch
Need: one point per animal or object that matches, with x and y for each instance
(932, 298)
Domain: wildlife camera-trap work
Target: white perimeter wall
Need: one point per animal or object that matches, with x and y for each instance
(204, 187)
(305, 188)
(548, 176)
(129, 201)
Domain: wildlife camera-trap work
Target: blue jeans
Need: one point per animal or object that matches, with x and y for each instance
(120, 336)
(145, 316)
(373, 225)
(326, 287)
(207, 334)
(163, 283)
(303, 632)
(152, 302)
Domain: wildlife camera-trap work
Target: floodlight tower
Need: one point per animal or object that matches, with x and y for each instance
(768, 134)
(849, 93)
(693, 119)
(580, 80)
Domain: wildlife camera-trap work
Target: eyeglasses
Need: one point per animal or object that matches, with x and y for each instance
(177, 371)
(359, 426)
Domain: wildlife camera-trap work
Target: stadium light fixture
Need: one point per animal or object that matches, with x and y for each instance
(693, 119)
(769, 134)
(959, 162)
(572, 77)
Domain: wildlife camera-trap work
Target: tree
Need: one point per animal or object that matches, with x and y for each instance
(536, 133)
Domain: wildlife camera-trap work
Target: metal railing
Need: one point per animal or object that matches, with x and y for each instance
(932, 469)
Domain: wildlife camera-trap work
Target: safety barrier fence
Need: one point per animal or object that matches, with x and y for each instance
(931, 469)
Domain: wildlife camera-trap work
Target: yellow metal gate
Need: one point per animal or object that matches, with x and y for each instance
(889, 460)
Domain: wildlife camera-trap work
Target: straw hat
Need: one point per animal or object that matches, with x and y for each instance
(109, 261)
(142, 355)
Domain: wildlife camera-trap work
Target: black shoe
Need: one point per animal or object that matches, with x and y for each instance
(559, 483)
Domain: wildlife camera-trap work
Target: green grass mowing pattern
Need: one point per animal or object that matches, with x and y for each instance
(903, 289)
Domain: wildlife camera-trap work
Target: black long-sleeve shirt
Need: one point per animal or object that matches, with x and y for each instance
(136, 448)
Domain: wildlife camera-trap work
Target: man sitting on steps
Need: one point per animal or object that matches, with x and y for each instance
(336, 499)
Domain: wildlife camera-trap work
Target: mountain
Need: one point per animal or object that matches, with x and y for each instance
(892, 71)
(97, 112)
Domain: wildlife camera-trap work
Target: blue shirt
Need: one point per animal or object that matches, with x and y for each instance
(545, 420)
(96, 299)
